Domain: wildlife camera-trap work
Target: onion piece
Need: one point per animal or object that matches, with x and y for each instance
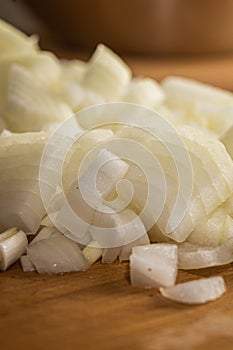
(45, 233)
(210, 189)
(191, 256)
(73, 70)
(30, 105)
(13, 42)
(20, 199)
(56, 254)
(210, 229)
(209, 106)
(196, 292)
(126, 250)
(109, 169)
(114, 230)
(106, 74)
(13, 244)
(26, 264)
(145, 92)
(153, 265)
(109, 255)
(92, 252)
(227, 139)
(46, 221)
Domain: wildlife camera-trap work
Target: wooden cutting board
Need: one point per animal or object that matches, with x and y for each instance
(98, 309)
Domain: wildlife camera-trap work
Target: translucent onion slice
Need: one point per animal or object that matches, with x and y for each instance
(205, 104)
(211, 152)
(46, 221)
(183, 93)
(109, 255)
(227, 139)
(227, 234)
(14, 42)
(92, 252)
(20, 199)
(85, 143)
(210, 229)
(213, 156)
(57, 254)
(26, 264)
(90, 98)
(196, 292)
(113, 230)
(30, 105)
(145, 92)
(153, 265)
(216, 118)
(126, 249)
(45, 233)
(94, 190)
(13, 244)
(73, 70)
(106, 74)
(192, 256)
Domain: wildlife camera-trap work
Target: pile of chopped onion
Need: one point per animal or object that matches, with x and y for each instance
(39, 93)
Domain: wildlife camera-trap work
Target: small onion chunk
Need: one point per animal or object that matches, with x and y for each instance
(196, 292)
(154, 265)
(92, 252)
(26, 264)
(13, 244)
(57, 254)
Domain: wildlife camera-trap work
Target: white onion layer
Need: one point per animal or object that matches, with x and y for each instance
(153, 265)
(56, 254)
(191, 256)
(196, 292)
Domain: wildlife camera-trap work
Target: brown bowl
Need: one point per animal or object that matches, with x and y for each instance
(142, 26)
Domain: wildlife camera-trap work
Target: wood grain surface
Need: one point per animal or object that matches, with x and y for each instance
(98, 309)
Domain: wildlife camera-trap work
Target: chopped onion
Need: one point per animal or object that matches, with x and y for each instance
(92, 252)
(114, 230)
(106, 74)
(109, 255)
(227, 140)
(20, 199)
(26, 264)
(191, 256)
(13, 42)
(206, 105)
(13, 244)
(126, 249)
(30, 104)
(45, 233)
(56, 254)
(153, 265)
(46, 221)
(97, 181)
(145, 92)
(210, 229)
(196, 292)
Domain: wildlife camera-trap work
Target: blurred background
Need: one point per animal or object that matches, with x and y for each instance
(157, 37)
